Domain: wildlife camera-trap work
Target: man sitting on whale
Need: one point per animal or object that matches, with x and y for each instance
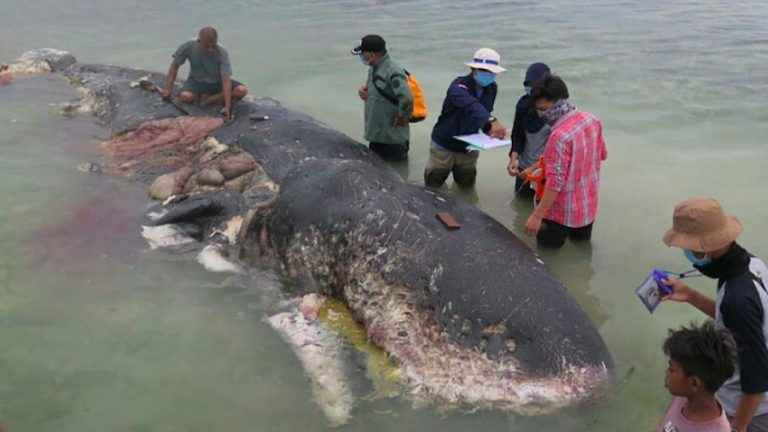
(209, 73)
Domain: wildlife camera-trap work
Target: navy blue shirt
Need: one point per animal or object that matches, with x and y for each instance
(526, 120)
(463, 113)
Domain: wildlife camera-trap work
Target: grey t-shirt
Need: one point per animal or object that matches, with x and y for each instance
(535, 143)
(207, 68)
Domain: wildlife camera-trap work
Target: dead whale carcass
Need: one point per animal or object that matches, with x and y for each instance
(472, 318)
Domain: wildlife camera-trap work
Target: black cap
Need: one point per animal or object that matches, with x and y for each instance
(370, 43)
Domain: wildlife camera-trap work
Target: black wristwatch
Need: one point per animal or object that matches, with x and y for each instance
(491, 119)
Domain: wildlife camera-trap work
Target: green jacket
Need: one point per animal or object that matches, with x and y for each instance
(389, 78)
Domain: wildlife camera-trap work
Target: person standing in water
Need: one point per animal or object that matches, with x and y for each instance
(210, 73)
(573, 156)
(467, 109)
(708, 236)
(388, 100)
(529, 132)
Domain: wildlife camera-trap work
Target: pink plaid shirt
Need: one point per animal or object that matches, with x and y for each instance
(574, 152)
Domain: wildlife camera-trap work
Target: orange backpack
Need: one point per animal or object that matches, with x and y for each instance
(419, 105)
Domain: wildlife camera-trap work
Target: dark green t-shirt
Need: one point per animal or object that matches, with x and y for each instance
(204, 67)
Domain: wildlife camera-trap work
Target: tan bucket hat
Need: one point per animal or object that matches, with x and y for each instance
(700, 225)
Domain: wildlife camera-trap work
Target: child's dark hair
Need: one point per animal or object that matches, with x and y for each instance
(704, 351)
(550, 87)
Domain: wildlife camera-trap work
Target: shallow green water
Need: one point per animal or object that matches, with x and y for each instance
(96, 334)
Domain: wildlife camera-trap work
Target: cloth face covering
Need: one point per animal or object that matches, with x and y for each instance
(559, 109)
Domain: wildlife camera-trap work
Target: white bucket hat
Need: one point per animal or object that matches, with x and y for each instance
(487, 59)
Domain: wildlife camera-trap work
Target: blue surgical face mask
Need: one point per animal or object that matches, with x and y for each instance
(698, 262)
(528, 90)
(364, 61)
(485, 78)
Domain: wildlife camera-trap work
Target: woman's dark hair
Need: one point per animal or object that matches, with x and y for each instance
(704, 351)
(550, 87)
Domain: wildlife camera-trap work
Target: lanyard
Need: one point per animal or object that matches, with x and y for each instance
(686, 274)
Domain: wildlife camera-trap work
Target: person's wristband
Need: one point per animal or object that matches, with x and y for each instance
(488, 126)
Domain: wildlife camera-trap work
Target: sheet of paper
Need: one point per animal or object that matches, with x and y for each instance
(481, 141)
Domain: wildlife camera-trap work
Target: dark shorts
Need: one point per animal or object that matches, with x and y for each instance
(199, 88)
(393, 152)
(553, 234)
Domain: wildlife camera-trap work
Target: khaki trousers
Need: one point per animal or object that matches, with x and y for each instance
(442, 163)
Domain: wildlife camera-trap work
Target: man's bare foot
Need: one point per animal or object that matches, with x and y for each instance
(208, 100)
